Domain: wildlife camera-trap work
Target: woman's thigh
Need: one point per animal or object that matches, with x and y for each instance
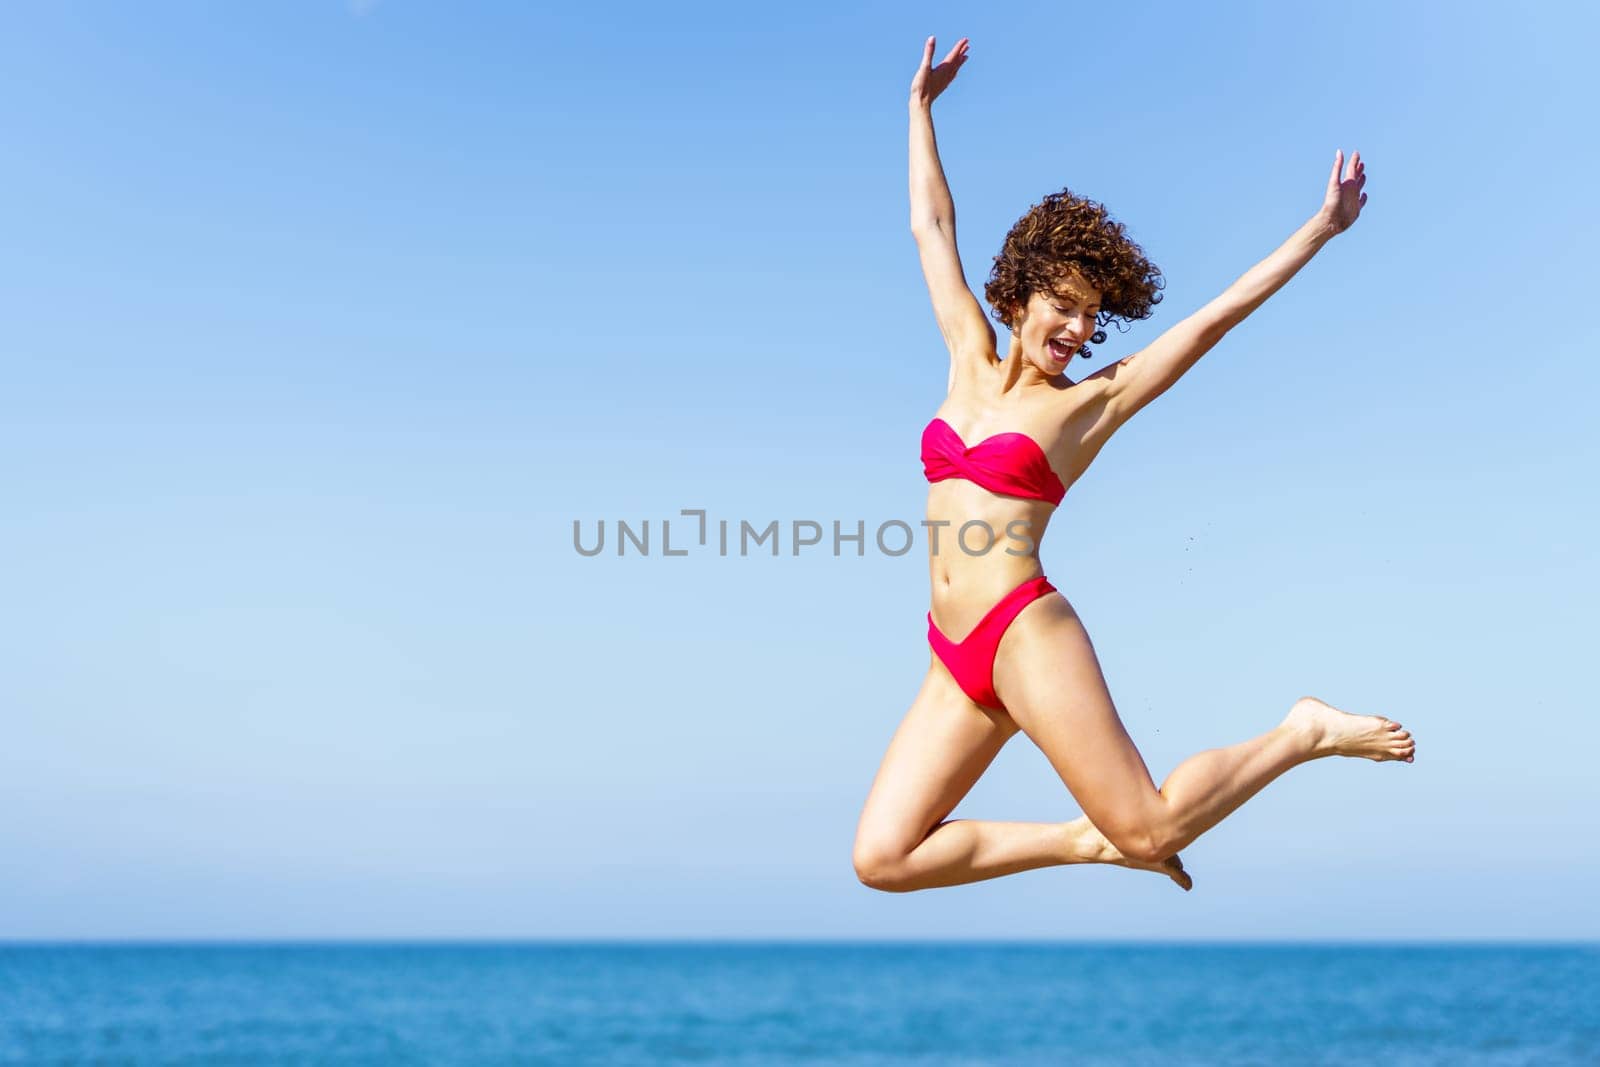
(1047, 674)
(942, 746)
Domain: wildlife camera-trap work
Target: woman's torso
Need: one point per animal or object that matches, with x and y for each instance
(1000, 549)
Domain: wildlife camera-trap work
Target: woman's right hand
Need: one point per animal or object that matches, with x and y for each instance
(930, 81)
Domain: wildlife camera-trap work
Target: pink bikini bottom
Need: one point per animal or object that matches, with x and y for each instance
(970, 661)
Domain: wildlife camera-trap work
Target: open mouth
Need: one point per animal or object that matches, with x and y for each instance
(1060, 351)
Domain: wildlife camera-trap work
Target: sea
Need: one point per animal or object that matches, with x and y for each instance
(799, 1002)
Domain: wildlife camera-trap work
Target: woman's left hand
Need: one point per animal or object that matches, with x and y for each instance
(1344, 201)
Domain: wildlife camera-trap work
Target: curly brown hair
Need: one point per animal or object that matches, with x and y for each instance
(1065, 237)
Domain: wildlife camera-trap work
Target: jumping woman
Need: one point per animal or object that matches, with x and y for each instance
(1007, 651)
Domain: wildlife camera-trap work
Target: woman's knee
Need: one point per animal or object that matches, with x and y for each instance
(1145, 841)
(877, 866)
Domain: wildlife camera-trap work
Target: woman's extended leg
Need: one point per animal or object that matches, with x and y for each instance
(942, 746)
(1051, 682)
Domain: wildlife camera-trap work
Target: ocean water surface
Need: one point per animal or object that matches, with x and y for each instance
(799, 1002)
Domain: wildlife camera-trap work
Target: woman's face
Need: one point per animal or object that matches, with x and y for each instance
(1055, 326)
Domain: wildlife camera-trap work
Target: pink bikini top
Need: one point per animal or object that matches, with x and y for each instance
(1011, 464)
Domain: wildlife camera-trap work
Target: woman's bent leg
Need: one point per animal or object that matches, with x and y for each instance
(1050, 679)
(940, 749)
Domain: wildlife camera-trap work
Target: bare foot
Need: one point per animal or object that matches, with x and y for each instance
(1331, 732)
(1094, 848)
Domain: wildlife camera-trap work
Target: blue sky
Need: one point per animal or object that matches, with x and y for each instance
(323, 322)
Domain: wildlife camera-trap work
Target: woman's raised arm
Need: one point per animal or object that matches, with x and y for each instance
(965, 327)
(930, 193)
(1140, 378)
